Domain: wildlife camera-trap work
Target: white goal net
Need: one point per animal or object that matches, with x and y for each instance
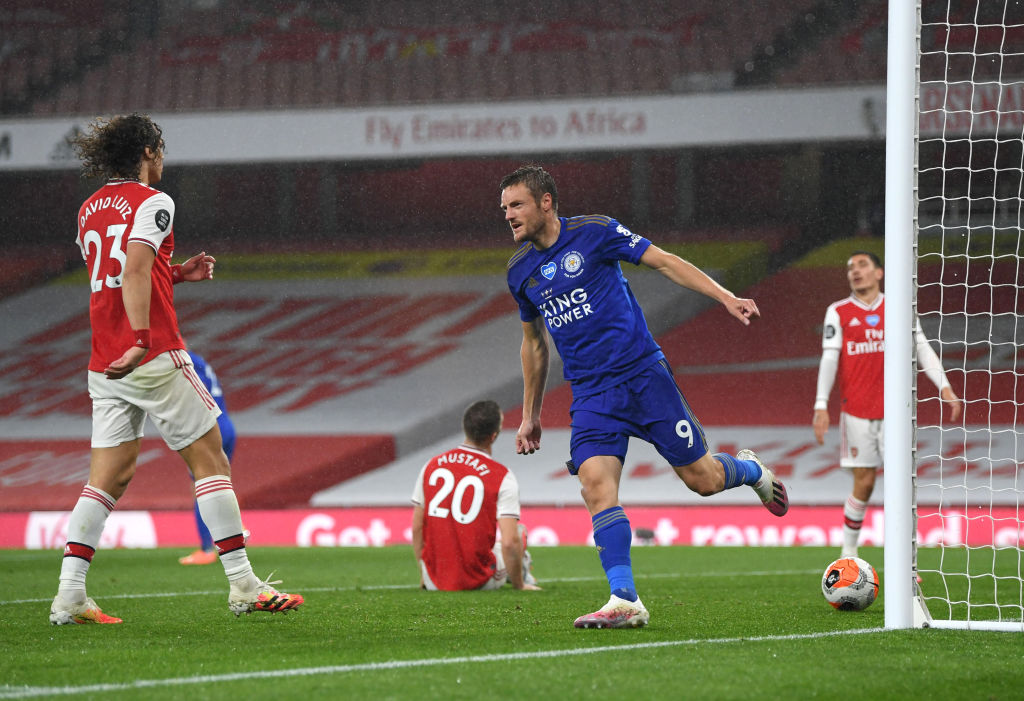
(969, 297)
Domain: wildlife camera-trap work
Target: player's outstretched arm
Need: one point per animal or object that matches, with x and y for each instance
(535, 355)
(686, 274)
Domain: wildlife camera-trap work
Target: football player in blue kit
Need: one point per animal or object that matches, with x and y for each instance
(566, 278)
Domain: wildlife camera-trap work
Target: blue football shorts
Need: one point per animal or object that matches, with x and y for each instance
(648, 406)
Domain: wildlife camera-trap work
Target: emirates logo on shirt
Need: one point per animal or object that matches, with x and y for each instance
(874, 342)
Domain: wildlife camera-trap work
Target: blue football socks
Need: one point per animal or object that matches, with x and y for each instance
(738, 472)
(613, 537)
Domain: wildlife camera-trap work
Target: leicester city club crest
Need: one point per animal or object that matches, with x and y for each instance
(572, 263)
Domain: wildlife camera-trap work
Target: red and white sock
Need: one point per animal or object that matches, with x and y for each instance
(85, 526)
(218, 506)
(853, 520)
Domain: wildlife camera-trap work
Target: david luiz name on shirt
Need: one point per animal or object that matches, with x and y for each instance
(566, 308)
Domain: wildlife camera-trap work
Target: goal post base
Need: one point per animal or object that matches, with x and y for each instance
(994, 626)
(922, 617)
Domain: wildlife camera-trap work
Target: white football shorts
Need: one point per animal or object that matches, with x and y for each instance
(862, 442)
(167, 389)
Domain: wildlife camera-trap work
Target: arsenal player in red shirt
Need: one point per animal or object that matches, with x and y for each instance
(139, 366)
(853, 345)
(462, 498)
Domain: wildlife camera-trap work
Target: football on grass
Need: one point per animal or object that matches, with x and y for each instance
(850, 584)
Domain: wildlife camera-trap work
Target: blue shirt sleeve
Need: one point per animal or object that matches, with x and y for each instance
(622, 244)
(527, 312)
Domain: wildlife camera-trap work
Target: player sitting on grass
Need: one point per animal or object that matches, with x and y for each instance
(462, 498)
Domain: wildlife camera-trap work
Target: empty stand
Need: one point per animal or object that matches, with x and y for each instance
(405, 51)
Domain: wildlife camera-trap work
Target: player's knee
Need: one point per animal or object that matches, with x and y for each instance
(599, 497)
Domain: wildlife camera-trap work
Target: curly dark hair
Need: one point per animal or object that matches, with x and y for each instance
(113, 148)
(537, 181)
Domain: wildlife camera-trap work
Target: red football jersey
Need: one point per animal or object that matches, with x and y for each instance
(858, 332)
(463, 492)
(122, 211)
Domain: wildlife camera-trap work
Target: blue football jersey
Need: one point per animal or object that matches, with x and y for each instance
(578, 288)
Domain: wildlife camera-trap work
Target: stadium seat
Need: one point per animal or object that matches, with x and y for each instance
(254, 78)
(376, 88)
(423, 70)
(210, 86)
(280, 83)
(326, 80)
(399, 84)
(115, 87)
(349, 88)
(305, 91)
(188, 87)
(459, 77)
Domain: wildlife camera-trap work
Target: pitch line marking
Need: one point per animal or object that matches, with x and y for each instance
(380, 587)
(33, 691)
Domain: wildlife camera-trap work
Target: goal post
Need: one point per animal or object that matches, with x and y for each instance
(900, 244)
(954, 490)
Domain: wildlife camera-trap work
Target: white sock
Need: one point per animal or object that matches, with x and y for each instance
(853, 519)
(218, 506)
(85, 526)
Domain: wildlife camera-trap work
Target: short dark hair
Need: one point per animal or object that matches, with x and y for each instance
(481, 420)
(537, 181)
(113, 148)
(874, 258)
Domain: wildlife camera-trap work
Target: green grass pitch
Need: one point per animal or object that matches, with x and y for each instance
(726, 623)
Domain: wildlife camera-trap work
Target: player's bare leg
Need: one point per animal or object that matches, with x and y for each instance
(705, 477)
